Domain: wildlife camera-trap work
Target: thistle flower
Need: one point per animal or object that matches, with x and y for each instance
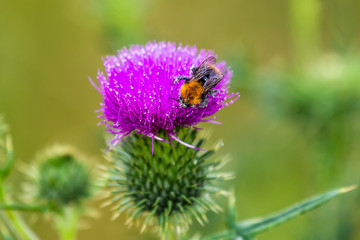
(139, 91)
(166, 189)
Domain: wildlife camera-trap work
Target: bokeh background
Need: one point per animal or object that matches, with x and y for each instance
(294, 132)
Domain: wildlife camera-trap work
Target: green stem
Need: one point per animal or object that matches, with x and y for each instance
(67, 223)
(5, 232)
(18, 207)
(17, 224)
(170, 235)
(305, 22)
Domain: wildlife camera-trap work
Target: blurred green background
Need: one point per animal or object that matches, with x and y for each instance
(294, 132)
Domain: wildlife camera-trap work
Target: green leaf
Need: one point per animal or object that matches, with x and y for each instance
(220, 236)
(250, 228)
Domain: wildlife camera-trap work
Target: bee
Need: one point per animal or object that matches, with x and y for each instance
(195, 90)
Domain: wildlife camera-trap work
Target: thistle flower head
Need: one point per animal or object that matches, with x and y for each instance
(167, 189)
(139, 93)
(60, 177)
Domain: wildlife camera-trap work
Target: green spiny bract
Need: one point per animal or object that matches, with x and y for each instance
(62, 179)
(167, 188)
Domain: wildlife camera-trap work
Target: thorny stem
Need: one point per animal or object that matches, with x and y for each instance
(14, 221)
(170, 235)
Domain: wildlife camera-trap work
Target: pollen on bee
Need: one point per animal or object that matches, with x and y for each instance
(191, 92)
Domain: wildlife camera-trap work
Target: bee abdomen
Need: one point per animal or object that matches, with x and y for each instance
(191, 93)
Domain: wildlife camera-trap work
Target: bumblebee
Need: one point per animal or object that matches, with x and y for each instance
(195, 90)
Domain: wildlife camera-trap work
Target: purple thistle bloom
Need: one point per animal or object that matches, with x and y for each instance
(139, 91)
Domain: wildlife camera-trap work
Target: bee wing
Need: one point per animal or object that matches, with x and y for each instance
(203, 69)
(209, 60)
(212, 82)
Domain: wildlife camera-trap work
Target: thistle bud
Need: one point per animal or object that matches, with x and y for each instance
(61, 178)
(166, 189)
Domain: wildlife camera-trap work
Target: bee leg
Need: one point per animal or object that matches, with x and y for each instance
(193, 69)
(187, 79)
(212, 92)
(204, 101)
(175, 99)
(182, 104)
